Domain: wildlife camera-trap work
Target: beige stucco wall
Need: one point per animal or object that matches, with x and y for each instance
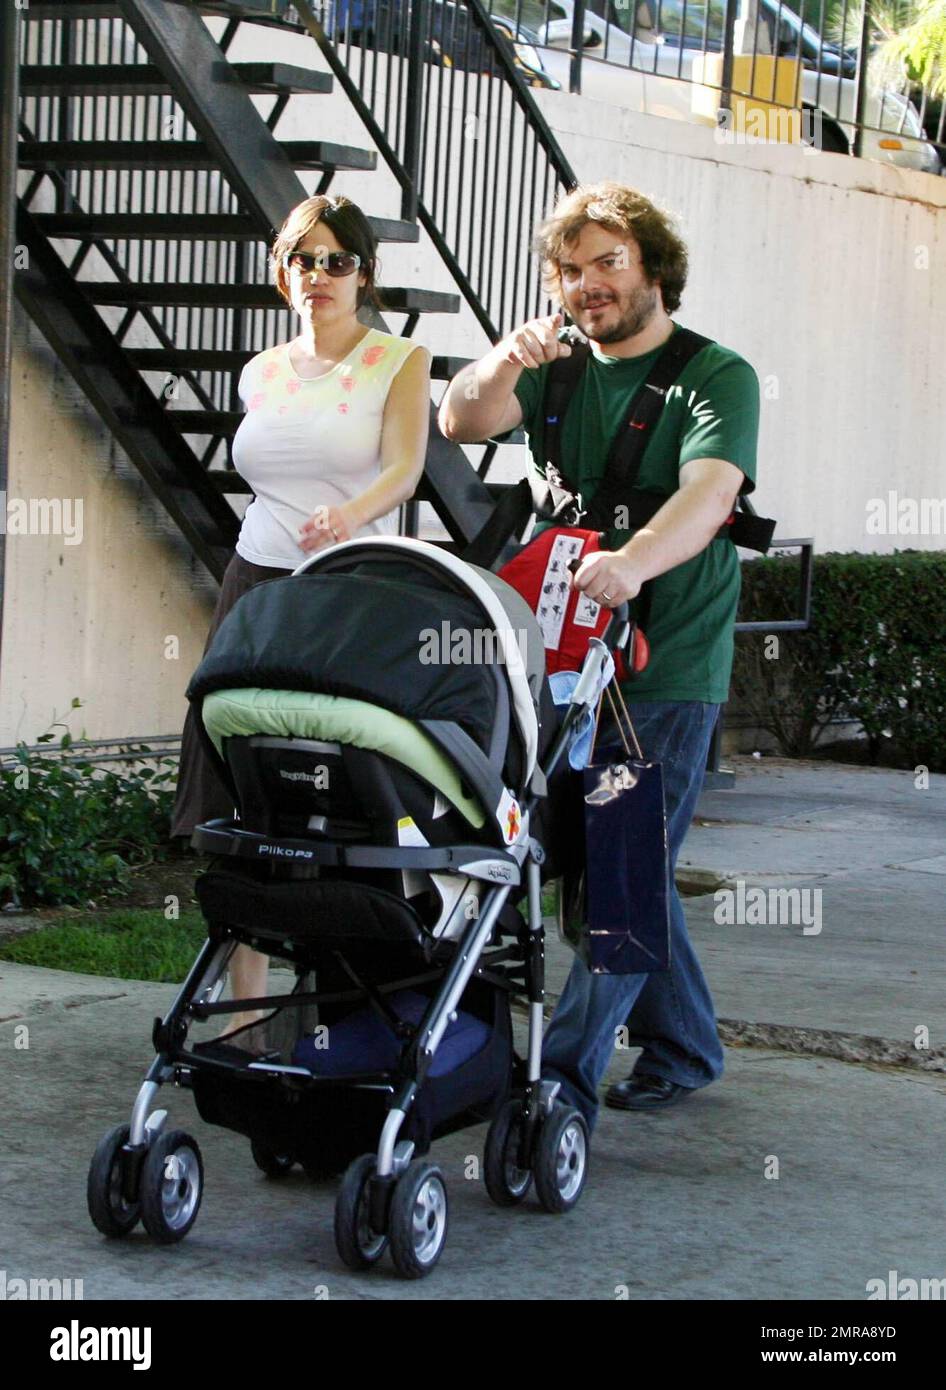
(91, 619)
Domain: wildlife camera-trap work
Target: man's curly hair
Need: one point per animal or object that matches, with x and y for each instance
(622, 210)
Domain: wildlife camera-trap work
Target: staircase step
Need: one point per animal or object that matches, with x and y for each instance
(233, 359)
(228, 481)
(446, 368)
(171, 226)
(55, 155)
(394, 299)
(223, 422)
(189, 359)
(73, 9)
(146, 79)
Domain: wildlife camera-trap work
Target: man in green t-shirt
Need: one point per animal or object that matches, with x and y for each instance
(618, 267)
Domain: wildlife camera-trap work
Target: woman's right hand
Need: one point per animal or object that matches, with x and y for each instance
(326, 526)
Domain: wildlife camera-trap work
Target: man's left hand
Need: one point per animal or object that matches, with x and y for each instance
(608, 577)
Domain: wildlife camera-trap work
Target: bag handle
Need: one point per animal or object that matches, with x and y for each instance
(625, 713)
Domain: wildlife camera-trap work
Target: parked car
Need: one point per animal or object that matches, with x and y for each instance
(637, 56)
(450, 41)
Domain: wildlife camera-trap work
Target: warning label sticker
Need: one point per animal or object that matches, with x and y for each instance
(556, 585)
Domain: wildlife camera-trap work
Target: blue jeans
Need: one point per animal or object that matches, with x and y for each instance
(668, 1013)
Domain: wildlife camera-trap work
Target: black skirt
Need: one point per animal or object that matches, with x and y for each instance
(201, 795)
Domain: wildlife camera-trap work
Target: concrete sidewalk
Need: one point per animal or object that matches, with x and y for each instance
(683, 1204)
(873, 844)
(677, 1205)
(874, 847)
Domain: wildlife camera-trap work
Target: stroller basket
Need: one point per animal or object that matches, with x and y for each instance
(324, 1121)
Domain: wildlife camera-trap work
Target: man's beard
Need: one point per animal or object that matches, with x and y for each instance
(639, 309)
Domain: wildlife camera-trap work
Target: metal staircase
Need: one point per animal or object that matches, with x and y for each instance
(147, 245)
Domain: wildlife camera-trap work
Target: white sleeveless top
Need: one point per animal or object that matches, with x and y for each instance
(306, 442)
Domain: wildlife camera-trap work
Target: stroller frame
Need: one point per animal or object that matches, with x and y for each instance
(140, 1169)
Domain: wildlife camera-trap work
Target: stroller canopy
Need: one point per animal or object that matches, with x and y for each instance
(406, 626)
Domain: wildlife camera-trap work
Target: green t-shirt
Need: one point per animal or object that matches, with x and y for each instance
(712, 411)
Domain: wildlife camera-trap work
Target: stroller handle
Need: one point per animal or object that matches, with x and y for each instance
(617, 632)
(618, 629)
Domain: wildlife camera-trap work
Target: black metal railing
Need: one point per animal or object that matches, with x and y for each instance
(446, 96)
(697, 54)
(74, 42)
(442, 93)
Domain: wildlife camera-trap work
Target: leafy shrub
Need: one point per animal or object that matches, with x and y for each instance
(71, 829)
(874, 653)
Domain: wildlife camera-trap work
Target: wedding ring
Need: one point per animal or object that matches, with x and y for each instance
(334, 532)
(605, 595)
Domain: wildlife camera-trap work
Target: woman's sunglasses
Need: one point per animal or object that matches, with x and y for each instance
(336, 263)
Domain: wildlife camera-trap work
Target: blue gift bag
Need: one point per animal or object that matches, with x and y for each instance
(614, 912)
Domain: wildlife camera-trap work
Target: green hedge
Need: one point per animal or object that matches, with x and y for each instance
(875, 652)
(69, 829)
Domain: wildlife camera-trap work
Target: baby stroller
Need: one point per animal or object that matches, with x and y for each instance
(383, 719)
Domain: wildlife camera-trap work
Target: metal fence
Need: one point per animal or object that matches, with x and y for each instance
(448, 94)
(745, 65)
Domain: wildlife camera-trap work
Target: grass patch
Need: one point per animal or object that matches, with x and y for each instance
(135, 944)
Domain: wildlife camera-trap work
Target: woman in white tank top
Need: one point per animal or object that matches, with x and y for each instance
(335, 429)
(332, 443)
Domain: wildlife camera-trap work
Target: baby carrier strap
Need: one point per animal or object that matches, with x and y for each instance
(628, 446)
(559, 499)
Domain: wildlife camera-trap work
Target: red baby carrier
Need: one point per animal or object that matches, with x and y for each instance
(542, 574)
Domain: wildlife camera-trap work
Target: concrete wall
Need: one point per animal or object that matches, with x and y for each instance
(91, 619)
(825, 272)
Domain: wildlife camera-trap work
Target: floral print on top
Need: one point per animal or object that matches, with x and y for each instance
(306, 442)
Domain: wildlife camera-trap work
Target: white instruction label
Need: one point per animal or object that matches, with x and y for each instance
(586, 612)
(556, 585)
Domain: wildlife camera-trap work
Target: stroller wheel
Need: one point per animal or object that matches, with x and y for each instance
(172, 1182)
(506, 1183)
(561, 1159)
(110, 1213)
(268, 1161)
(418, 1223)
(358, 1245)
